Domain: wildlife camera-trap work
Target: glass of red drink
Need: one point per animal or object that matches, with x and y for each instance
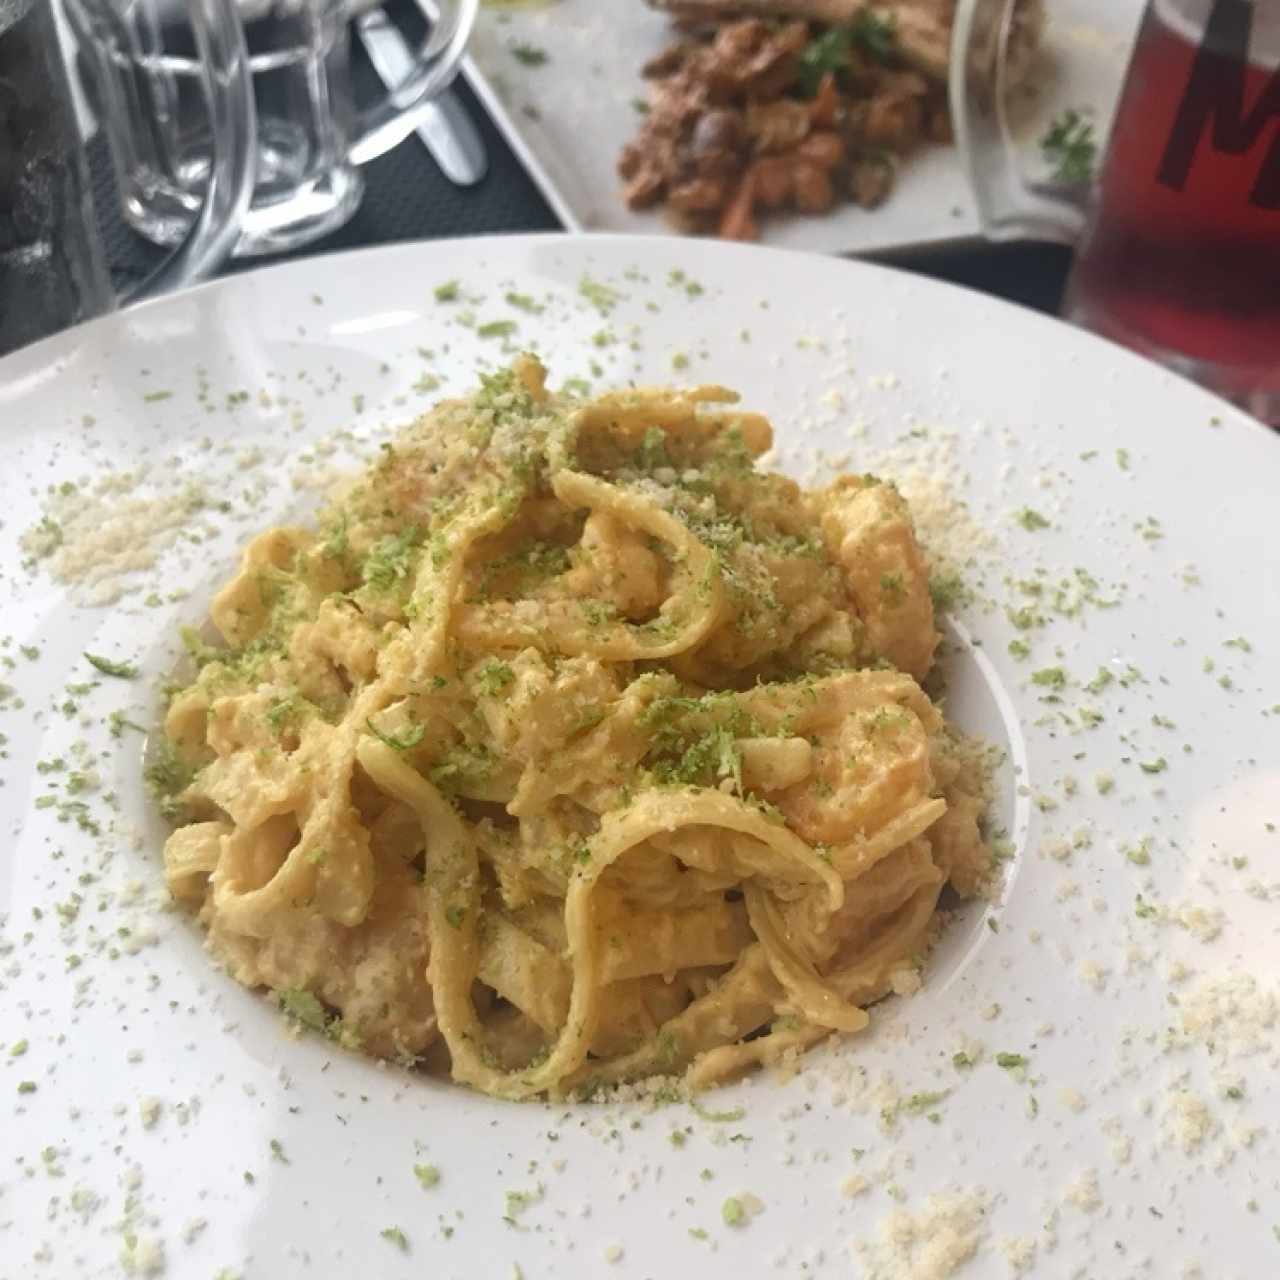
(1177, 223)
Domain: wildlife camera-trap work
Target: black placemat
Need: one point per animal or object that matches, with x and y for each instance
(1029, 273)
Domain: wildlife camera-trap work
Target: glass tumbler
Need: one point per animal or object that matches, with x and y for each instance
(311, 134)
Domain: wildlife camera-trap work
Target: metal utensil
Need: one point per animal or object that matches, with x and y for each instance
(444, 126)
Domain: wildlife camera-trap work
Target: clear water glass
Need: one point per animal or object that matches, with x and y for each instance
(311, 134)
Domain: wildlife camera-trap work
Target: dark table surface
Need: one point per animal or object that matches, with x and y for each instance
(407, 198)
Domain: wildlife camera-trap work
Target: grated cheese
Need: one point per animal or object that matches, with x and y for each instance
(1203, 923)
(142, 1256)
(1019, 1252)
(929, 1245)
(1188, 1121)
(927, 474)
(1230, 1015)
(93, 539)
(1083, 1193)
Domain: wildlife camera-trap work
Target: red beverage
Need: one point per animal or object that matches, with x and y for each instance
(1182, 257)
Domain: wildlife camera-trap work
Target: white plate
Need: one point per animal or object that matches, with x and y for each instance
(570, 117)
(160, 1085)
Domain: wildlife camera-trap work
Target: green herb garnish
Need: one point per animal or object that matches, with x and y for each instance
(493, 677)
(924, 1101)
(393, 1235)
(1050, 678)
(529, 55)
(717, 1117)
(826, 54)
(1100, 681)
(948, 591)
(1069, 146)
(405, 742)
(121, 670)
(832, 52)
(119, 722)
(302, 1008)
(167, 775)
(391, 559)
(874, 35)
(601, 296)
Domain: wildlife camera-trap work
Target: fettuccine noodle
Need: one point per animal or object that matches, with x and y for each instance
(570, 748)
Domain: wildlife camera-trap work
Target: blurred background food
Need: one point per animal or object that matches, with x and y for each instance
(764, 106)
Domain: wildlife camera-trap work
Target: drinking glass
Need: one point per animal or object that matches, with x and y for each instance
(311, 134)
(1177, 230)
(51, 268)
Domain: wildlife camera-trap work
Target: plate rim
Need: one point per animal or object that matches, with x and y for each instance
(59, 344)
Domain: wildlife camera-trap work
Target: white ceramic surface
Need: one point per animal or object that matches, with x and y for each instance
(571, 115)
(141, 1091)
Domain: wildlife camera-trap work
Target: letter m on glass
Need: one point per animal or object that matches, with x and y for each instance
(1215, 96)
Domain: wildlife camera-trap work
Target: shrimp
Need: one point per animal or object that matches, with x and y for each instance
(869, 736)
(868, 531)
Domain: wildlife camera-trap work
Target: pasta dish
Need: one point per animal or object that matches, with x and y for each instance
(571, 748)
